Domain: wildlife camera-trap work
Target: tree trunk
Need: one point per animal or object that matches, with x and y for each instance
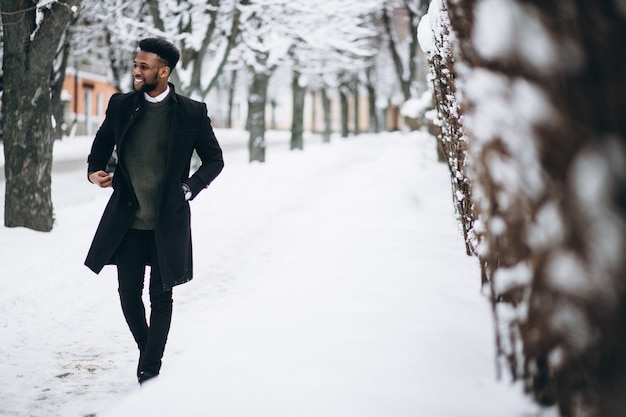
(56, 86)
(327, 116)
(257, 101)
(297, 121)
(385, 115)
(343, 101)
(356, 108)
(231, 98)
(29, 52)
(406, 71)
(117, 64)
(374, 123)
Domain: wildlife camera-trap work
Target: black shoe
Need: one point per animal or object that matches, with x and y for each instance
(139, 367)
(146, 375)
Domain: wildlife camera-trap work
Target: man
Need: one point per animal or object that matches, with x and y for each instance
(147, 219)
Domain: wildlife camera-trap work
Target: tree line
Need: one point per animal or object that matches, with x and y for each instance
(347, 46)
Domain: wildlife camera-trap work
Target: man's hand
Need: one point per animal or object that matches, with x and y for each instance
(101, 178)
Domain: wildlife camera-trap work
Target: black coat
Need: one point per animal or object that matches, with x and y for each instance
(190, 129)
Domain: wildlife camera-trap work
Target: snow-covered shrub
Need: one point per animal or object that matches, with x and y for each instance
(414, 110)
(535, 97)
(437, 42)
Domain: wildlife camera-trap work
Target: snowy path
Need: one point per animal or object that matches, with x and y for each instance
(329, 282)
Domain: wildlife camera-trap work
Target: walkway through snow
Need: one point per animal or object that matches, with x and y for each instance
(330, 283)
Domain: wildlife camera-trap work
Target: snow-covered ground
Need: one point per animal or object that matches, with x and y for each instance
(330, 283)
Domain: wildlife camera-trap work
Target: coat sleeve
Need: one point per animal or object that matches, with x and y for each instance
(210, 153)
(103, 143)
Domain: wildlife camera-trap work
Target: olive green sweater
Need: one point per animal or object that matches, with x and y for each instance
(145, 152)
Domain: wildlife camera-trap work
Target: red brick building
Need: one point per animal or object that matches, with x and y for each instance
(85, 96)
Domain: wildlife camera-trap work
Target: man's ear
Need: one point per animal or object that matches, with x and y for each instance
(164, 72)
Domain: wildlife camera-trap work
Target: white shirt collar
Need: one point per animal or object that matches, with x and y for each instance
(158, 98)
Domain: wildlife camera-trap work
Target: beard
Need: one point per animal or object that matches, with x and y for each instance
(146, 86)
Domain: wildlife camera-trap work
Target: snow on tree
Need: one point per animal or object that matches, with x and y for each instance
(204, 31)
(107, 32)
(317, 39)
(327, 41)
(262, 49)
(207, 31)
(314, 36)
(535, 92)
(437, 42)
(405, 53)
(32, 34)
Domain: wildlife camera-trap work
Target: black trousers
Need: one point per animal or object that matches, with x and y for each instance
(137, 251)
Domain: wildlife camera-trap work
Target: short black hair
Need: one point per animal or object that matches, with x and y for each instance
(167, 51)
